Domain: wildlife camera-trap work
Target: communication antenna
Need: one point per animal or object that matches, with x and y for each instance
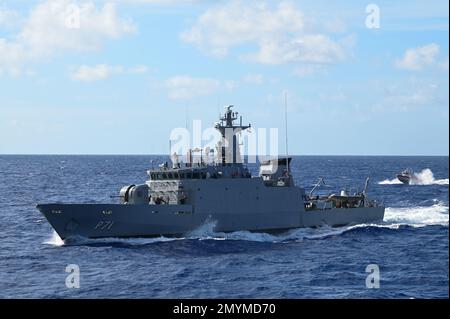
(321, 181)
(366, 186)
(286, 130)
(187, 117)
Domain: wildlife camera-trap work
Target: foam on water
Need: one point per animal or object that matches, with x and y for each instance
(55, 240)
(390, 182)
(425, 177)
(436, 214)
(417, 216)
(206, 231)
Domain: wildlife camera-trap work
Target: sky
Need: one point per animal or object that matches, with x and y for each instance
(116, 77)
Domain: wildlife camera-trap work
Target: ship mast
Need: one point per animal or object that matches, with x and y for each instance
(286, 131)
(229, 130)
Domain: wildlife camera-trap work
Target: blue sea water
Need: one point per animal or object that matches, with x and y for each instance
(410, 246)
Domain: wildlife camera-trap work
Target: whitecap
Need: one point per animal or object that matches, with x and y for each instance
(426, 177)
(390, 182)
(436, 214)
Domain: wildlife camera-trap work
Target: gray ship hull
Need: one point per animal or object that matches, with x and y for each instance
(118, 220)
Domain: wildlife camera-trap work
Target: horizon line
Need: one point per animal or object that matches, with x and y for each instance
(155, 154)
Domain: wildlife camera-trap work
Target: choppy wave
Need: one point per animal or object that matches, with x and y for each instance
(395, 217)
(425, 177)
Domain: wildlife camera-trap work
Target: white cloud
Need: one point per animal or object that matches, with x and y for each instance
(412, 94)
(98, 72)
(314, 49)
(59, 26)
(86, 73)
(8, 18)
(162, 2)
(419, 58)
(186, 87)
(253, 79)
(138, 69)
(306, 70)
(281, 35)
(230, 85)
(295, 102)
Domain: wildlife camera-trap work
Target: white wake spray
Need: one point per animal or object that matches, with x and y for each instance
(417, 216)
(425, 177)
(54, 240)
(436, 214)
(390, 182)
(297, 234)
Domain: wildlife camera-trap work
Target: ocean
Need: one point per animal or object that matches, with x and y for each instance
(409, 248)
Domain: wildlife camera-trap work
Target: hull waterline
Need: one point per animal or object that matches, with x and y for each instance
(124, 221)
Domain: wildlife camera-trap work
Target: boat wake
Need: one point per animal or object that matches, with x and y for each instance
(425, 177)
(55, 240)
(395, 218)
(297, 234)
(417, 216)
(394, 181)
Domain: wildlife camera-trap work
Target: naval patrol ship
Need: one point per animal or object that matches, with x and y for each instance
(180, 197)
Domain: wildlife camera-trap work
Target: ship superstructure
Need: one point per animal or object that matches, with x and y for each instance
(219, 188)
